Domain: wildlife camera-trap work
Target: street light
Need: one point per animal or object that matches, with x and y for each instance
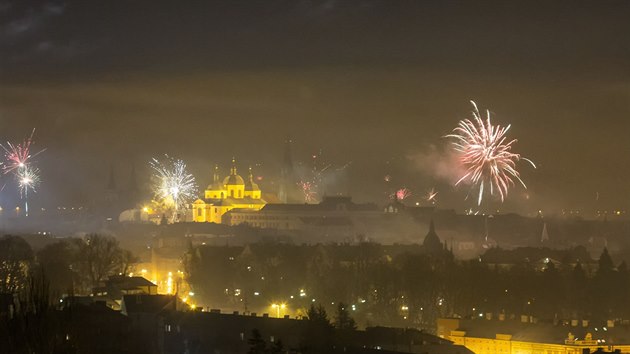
(278, 307)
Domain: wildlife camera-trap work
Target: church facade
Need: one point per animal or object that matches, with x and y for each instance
(233, 192)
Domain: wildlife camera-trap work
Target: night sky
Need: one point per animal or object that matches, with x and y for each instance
(377, 83)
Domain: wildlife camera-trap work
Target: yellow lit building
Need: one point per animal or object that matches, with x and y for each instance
(502, 336)
(222, 196)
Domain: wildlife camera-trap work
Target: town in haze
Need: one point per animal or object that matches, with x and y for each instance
(361, 176)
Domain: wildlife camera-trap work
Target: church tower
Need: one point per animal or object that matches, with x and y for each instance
(287, 175)
(216, 190)
(432, 243)
(251, 188)
(132, 195)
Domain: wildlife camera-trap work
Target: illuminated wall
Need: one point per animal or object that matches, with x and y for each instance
(502, 344)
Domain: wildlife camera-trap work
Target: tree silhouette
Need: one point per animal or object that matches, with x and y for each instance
(99, 257)
(343, 320)
(605, 263)
(317, 314)
(277, 347)
(257, 344)
(318, 333)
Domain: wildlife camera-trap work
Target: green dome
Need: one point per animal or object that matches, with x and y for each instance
(251, 186)
(234, 180)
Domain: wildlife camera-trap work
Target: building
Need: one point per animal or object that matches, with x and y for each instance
(222, 196)
(538, 257)
(527, 336)
(112, 290)
(337, 218)
(169, 330)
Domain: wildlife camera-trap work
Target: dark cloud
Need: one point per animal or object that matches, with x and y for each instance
(23, 18)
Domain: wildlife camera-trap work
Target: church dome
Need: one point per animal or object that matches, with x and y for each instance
(233, 180)
(250, 186)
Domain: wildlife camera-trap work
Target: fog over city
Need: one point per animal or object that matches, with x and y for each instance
(361, 176)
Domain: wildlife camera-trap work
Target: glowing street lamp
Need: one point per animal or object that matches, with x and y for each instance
(278, 307)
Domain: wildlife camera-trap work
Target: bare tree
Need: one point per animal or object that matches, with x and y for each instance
(126, 262)
(99, 257)
(16, 257)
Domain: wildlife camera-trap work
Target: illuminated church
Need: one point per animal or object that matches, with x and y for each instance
(222, 196)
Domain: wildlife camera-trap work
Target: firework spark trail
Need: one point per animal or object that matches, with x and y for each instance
(344, 166)
(315, 179)
(28, 178)
(486, 155)
(307, 190)
(18, 155)
(431, 196)
(172, 183)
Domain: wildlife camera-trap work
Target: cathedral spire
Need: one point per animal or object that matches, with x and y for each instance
(287, 174)
(432, 243)
(288, 161)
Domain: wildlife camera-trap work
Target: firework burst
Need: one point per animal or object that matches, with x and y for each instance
(402, 194)
(485, 153)
(28, 179)
(18, 155)
(172, 183)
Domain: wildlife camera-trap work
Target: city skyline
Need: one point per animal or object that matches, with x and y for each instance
(315, 176)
